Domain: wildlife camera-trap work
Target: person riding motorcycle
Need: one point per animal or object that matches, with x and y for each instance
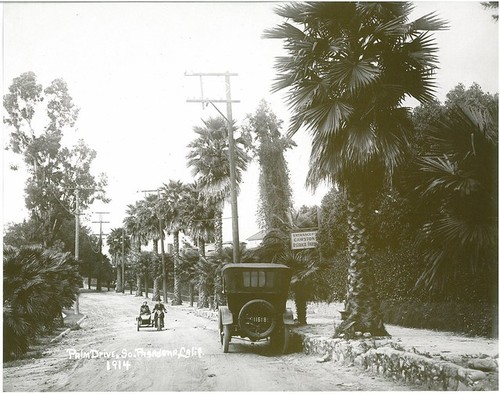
(159, 310)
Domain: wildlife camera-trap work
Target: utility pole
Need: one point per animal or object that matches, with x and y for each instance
(162, 245)
(98, 285)
(123, 261)
(232, 161)
(77, 236)
(77, 243)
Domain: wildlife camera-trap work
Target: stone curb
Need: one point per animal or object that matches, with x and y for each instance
(387, 357)
(67, 330)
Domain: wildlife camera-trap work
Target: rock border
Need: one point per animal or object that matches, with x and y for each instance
(385, 356)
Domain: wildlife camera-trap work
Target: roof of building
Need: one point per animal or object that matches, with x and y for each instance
(259, 236)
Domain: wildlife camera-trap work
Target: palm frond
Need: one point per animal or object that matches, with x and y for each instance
(429, 22)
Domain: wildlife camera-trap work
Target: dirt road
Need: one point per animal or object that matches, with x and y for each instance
(109, 354)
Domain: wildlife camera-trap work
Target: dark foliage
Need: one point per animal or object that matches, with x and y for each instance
(37, 285)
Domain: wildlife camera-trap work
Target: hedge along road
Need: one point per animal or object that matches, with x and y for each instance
(109, 354)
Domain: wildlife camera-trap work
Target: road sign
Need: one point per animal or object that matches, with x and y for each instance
(304, 240)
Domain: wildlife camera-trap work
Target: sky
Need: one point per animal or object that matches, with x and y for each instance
(125, 66)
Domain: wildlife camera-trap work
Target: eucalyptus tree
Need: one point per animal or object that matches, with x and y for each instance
(37, 119)
(349, 67)
(269, 146)
(208, 159)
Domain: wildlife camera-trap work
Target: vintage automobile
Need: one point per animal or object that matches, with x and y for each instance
(256, 296)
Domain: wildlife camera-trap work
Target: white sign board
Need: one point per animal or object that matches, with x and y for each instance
(304, 240)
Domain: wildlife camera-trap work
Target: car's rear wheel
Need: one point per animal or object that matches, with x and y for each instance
(226, 338)
(257, 319)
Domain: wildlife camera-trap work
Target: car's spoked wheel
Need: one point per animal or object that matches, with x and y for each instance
(226, 337)
(257, 319)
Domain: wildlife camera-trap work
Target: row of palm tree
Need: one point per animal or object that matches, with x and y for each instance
(194, 209)
(349, 69)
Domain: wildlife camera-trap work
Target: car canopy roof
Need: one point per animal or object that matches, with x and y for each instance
(246, 266)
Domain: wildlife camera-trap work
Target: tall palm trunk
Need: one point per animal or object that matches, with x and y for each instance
(218, 231)
(301, 303)
(362, 306)
(138, 290)
(119, 281)
(202, 296)
(177, 278)
(217, 295)
(156, 287)
(191, 293)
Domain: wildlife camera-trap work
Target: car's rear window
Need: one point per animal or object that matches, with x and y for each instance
(258, 279)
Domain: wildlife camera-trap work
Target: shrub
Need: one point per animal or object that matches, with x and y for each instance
(475, 319)
(37, 285)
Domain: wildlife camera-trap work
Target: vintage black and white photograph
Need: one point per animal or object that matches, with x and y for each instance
(250, 196)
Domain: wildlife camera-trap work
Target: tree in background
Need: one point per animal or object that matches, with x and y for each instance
(174, 208)
(304, 263)
(134, 228)
(149, 216)
(189, 257)
(201, 229)
(208, 159)
(456, 178)
(349, 68)
(269, 146)
(209, 162)
(491, 5)
(54, 171)
(119, 245)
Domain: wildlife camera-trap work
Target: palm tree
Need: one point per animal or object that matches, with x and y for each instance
(149, 214)
(188, 259)
(203, 211)
(201, 229)
(134, 228)
(209, 162)
(304, 263)
(173, 201)
(350, 67)
(119, 244)
(37, 285)
(458, 182)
